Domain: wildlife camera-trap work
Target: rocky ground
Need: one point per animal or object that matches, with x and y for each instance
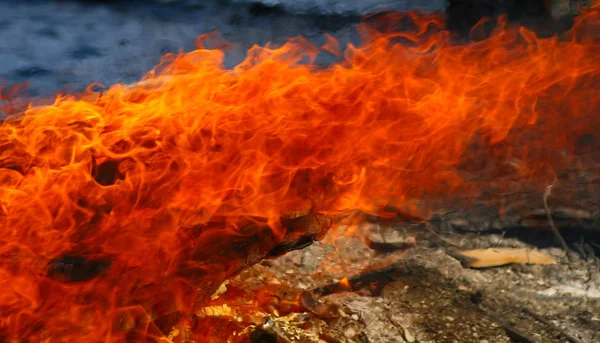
(414, 289)
(407, 280)
(424, 294)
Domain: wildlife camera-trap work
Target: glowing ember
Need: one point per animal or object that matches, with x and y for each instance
(122, 213)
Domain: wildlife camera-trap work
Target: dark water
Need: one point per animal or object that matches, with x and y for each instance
(67, 45)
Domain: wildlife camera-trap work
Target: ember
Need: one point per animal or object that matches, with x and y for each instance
(123, 212)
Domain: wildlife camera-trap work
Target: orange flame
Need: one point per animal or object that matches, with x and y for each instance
(141, 186)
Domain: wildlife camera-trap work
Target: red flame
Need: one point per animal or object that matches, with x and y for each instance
(121, 213)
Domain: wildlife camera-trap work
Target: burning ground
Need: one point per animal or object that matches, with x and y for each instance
(125, 210)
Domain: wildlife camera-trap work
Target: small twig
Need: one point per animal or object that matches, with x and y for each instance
(569, 337)
(378, 277)
(555, 230)
(516, 335)
(499, 240)
(440, 240)
(457, 336)
(511, 332)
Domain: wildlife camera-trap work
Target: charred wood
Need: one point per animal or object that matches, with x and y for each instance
(69, 269)
(377, 278)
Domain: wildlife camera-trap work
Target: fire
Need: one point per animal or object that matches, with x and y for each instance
(122, 212)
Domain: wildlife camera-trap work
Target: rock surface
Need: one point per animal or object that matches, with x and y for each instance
(434, 299)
